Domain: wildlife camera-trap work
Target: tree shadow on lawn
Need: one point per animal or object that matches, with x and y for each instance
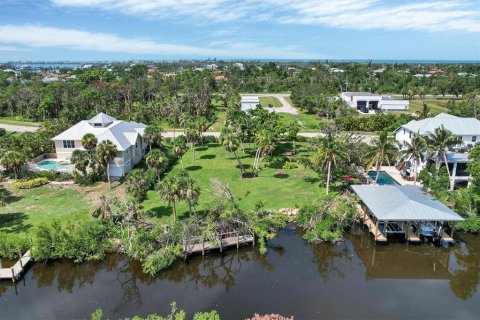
(159, 212)
(276, 164)
(312, 180)
(208, 156)
(193, 168)
(281, 175)
(245, 166)
(14, 222)
(204, 148)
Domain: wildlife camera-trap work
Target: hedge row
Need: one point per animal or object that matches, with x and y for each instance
(29, 184)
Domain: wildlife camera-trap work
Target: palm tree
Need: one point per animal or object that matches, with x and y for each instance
(415, 151)
(192, 134)
(137, 184)
(169, 190)
(89, 142)
(153, 135)
(425, 112)
(190, 191)
(156, 159)
(106, 152)
(231, 142)
(292, 131)
(328, 154)
(202, 125)
(13, 161)
(383, 149)
(179, 148)
(439, 141)
(264, 140)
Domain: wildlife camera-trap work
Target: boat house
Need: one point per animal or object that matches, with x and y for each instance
(404, 210)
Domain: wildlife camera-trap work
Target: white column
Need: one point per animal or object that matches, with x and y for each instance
(454, 174)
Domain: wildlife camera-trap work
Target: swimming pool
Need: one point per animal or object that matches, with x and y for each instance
(383, 178)
(55, 165)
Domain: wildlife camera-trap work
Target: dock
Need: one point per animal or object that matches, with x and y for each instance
(379, 236)
(225, 240)
(15, 273)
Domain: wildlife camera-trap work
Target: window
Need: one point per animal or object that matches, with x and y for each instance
(68, 144)
(97, 124)
(474, 139)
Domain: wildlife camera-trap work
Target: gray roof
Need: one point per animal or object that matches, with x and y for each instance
(121, 133)
(403, 203)
(102, 118)
(350, 94)
(457, 125)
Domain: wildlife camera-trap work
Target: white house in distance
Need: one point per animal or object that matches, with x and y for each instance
(249, 102)
(126, 136)
(467, 129)
(367, 102)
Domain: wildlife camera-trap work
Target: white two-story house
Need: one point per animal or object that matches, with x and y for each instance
(467, 129)
(126, 136)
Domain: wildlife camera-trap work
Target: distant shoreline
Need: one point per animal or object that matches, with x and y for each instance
(387, 61)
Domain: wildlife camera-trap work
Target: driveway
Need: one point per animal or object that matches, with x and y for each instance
(286, 106)
(18, 128)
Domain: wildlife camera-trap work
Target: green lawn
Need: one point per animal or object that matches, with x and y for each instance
(308, 122)
(266, 101)
(277, 188)
(18, 121)
(26, 209)
(436, 106)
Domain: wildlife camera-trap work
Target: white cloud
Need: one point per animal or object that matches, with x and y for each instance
(428, 15)
(377, 14)
(35, 36)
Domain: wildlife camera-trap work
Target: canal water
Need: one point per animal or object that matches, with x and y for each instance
(352, 279)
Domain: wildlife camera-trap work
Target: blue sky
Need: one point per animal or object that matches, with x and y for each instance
(263, 29)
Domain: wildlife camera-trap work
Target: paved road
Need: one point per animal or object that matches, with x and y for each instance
(365, 138)
(286, 106)
(18, 128)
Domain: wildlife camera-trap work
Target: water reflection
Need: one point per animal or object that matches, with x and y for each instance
(294, 278)
(467, 276)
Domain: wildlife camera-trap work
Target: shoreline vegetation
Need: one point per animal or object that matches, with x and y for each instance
(193, 187)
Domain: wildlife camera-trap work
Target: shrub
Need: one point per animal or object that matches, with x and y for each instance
(212, 315)
(290, 165)
(12, 244)
(470, 224)
(161, 259)
(29, 184)
(72, 239)
(51, 175)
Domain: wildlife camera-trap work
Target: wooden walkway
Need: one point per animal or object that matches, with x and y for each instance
(16, 271)
(195, 244)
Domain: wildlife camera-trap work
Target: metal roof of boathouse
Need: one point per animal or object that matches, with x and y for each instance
(403, 203)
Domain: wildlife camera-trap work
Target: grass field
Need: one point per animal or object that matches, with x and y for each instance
(308, 122)
(275, 187)
(26, 209)
(266, 101)
(18, 121)
(436, 106)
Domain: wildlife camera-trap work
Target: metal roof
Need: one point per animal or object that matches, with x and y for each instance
(403, 203)
(121, 133)
(350, 94)
(457, 125)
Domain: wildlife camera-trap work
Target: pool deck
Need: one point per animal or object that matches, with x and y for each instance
(395, 174)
